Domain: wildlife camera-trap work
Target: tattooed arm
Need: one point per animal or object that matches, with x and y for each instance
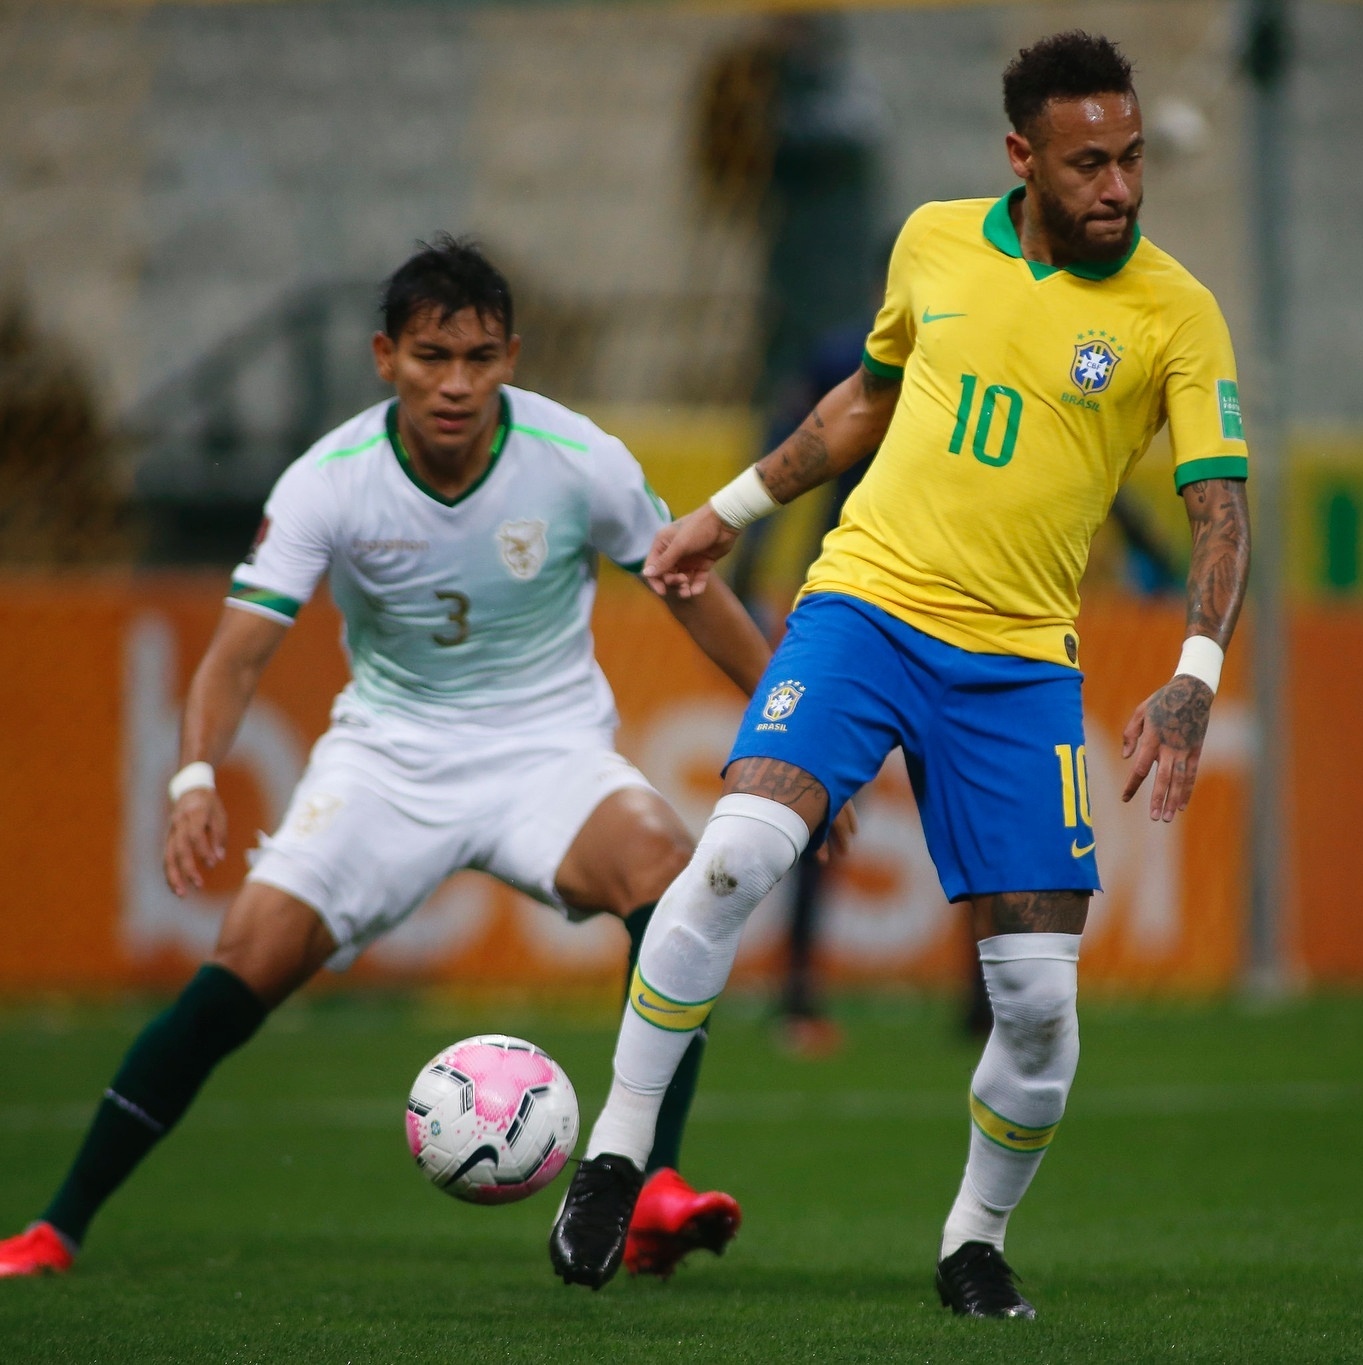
(1168, 728)
(847, 424)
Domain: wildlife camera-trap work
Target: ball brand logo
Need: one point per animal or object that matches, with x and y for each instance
(783, 699)
(524, 546)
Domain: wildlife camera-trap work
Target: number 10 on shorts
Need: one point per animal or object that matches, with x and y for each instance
(1074, 785)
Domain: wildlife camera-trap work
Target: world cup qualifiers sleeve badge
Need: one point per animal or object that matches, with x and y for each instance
(781, 703)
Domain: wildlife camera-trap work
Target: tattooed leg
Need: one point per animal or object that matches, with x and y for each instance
(783, 783)
(1030, 912)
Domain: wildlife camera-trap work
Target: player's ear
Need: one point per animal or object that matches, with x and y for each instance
(384, 351)
(1019, 155)
(513, 350)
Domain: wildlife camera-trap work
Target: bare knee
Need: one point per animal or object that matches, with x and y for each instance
(662, 852)
(657, 852)
(272, 941)
(627, 854)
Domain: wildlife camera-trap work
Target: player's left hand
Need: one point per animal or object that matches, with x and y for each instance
(1166, 731)
(840, 835)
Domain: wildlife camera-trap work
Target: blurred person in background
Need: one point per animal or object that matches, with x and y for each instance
(1027, 352)
(460, 525)
(60, 500)
(791, 131)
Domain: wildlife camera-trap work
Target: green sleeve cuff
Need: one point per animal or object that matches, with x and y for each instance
(879, 367)
(1217, 467)
(636, 568)
(262, 599)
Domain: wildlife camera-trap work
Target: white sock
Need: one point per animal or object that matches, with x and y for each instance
(686, 956)
(1018, 1092)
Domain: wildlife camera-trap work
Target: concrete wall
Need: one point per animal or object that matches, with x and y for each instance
(167, 172)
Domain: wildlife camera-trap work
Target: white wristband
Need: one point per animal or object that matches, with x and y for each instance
(191, 777)
(743, 500)
(1201, 658)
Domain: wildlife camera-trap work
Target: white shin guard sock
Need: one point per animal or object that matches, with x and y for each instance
(1018, 1092)
(686, 956)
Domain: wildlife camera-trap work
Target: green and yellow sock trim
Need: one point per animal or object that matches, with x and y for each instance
(675, 1016)
(1006, 1133)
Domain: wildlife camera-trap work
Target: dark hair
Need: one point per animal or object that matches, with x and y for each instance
(448, 275)
(1065, 66)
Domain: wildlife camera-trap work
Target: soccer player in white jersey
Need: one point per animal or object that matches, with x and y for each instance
(460, 525)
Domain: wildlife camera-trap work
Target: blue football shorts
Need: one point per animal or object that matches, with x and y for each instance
(994, 744)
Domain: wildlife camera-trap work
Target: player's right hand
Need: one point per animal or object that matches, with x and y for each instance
(197, 838)
(684, 553)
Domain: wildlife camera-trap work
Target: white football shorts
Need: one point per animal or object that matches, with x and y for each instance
(385, 812)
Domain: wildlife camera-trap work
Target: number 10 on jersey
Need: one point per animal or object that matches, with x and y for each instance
(990, 401)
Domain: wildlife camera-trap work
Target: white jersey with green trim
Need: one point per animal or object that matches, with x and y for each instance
(472, 611)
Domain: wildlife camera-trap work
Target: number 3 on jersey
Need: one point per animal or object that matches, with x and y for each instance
(458, 618)
(984, 422)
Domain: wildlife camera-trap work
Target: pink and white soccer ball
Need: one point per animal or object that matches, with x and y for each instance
(492, 1119)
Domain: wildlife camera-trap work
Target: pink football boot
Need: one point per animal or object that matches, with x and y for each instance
(38, 1250)
(671, 1219)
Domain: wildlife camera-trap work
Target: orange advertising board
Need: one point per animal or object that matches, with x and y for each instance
(95, 670)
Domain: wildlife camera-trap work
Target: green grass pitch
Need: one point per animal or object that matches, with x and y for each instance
(1203, 1200)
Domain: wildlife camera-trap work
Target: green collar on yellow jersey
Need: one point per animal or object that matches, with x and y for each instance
(1000, 232)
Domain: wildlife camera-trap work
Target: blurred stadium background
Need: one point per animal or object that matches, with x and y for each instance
(693, 202)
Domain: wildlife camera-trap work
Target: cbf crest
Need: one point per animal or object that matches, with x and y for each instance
(524, 546)
(782, 700)
(1095, 359)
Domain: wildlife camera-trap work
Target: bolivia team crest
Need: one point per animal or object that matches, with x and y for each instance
(524, 546)
(1094, 362)
(782, 700)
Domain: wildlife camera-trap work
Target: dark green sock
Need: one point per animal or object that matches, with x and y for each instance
(677, 1101)
(160, 1075)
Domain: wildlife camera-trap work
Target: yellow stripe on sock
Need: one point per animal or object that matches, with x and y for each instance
(676, 1016)
(1006, 1133)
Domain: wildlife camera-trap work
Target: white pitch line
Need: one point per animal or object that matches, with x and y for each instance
(725, 1107)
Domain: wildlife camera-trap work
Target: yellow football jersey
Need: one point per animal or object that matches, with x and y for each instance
(1029, 393)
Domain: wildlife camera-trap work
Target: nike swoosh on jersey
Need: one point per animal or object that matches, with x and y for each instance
(1077, 852)
(930, 316)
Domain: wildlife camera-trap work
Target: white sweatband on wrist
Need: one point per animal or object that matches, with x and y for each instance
(743, 500)
(191, 777)
(1202, 658)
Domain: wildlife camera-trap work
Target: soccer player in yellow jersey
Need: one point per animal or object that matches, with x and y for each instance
(1027, 351)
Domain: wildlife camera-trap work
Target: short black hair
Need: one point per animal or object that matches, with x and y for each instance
(1066, 66)
(449, 274)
